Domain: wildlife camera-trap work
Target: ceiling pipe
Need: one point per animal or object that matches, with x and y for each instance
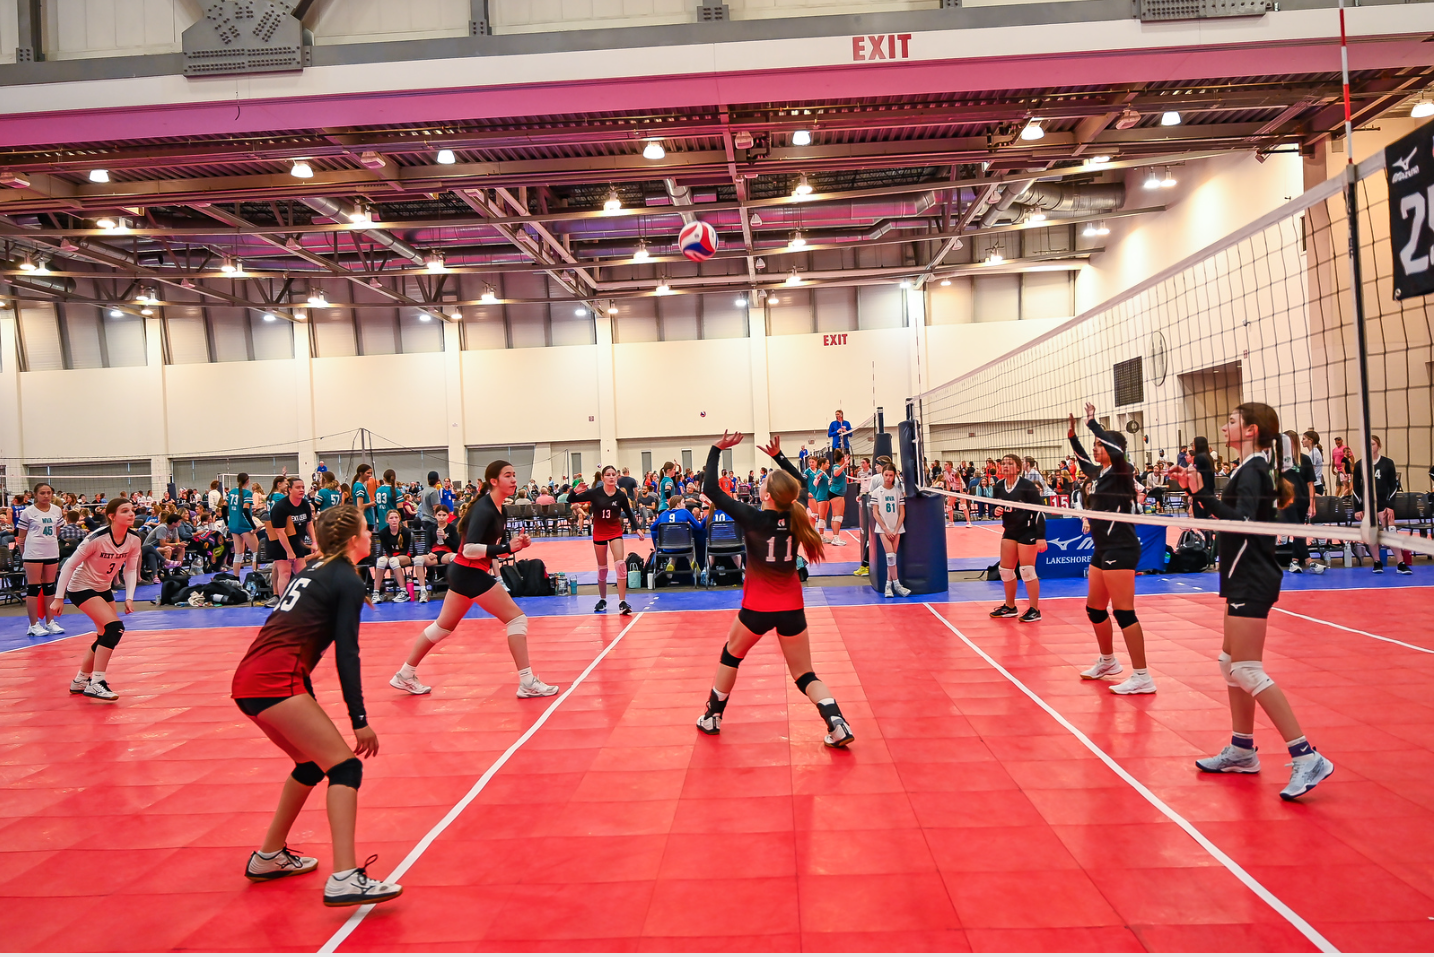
(327, 207)
(60, 284)
(680, 196)
(1073, 197)
(1008, 196)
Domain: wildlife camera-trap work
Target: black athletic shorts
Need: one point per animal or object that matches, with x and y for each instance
(1029, 537)
(468, 581)
(787, 623)
(78, 598)
(41, 561)
(1120, 559)
(1248, 609)
(604, 541)
(252, 706)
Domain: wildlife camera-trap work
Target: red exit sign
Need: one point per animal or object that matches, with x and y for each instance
(890, 46)
(835, 339)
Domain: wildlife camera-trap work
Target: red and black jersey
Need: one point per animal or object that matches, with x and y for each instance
(485, 527)
(771, 582)
(447, 540)
(319, 608)
(608, 511)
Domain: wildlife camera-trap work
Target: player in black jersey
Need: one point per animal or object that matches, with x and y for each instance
(609, 505)
(484, 534)
(1250, 578)
(1117, 552)
(288, 528)
(771, 590)
(1023, 534)
(272, 687)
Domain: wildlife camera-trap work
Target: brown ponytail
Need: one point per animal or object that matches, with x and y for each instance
(334, 529)
(784, 490)
(1267, 423)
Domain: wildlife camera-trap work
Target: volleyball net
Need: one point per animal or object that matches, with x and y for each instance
(1268, 314)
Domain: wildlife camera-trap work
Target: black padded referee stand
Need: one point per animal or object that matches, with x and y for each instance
(921, 559)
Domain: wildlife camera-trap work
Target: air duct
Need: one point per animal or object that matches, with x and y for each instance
(61, 284)
(1073, 198)
(327, 207)
(1012, 191)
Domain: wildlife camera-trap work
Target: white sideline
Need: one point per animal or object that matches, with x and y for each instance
(1356, 631)
(1243, 876)
(357, 916)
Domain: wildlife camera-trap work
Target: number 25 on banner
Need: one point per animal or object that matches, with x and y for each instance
(1409, 164)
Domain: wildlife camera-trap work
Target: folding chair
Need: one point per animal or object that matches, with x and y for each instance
(673, 540)
(724, 540)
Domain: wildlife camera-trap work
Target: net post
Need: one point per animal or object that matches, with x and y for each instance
(1370, 524)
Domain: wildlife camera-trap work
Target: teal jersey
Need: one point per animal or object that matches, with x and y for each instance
(236, 500)
(361, 500)
(385, 497)
(329, 497)
(838, 481)
(275, 496)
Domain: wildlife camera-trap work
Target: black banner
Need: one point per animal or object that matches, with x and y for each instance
(1409, 164)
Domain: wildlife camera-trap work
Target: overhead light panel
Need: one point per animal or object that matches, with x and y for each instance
(653, 151)
(1170, 118)
(641, 254)
(613, 203)
(798, 240)
(802, 138)
(301, 170)
(99, 176)
(803, 187)
(435, 262)
(446, 158)
(1033, 130)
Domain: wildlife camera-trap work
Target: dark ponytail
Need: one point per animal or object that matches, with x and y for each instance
(1267, 424)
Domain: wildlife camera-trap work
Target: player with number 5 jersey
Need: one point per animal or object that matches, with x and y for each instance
(771, 590)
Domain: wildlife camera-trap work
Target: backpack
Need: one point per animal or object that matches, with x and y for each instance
(535, 578)
(258, 585)
(512, 580)
(170, 588)
(634, 560)
(226, 593)
(1189, 554)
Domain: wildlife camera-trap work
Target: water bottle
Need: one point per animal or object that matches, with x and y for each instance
(573, 587)
(560, 586)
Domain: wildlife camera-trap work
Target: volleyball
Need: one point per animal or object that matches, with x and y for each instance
(698, 241)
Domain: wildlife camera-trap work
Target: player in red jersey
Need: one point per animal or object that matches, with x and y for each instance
(483, 532)
(771, 591)
(271, 685)
(609, 504)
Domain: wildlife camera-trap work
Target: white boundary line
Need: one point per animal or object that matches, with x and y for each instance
(1356, 631)
(357, 916)
(1260, 891)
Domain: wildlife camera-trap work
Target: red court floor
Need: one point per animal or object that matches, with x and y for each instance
(964, 817)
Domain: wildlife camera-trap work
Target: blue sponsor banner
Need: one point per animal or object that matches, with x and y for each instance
(1069, 550)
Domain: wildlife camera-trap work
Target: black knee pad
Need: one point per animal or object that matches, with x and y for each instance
(1096, 615)
(111, 636)
(33, 591)
(308, 774)
(806, 680)
(48, 588)
(348, 773)
(729, 659)
(1125, 617)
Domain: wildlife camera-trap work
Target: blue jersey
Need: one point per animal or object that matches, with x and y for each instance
(329, 497)
(236, 500)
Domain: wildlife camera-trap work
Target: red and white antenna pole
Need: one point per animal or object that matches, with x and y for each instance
(1344, 67)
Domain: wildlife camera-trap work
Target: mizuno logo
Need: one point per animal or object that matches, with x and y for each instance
(1406, 171)
(1237, 604)
(1404, 163)
(1110, 561)
(1065, 543)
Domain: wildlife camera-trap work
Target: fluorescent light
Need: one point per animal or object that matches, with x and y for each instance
(641, 254)
(613, 203)
(803, 187)
(802, 138)
(105, 222)
(1033, 131)
(99, 176)
(794, 279)
(798, 241)
(1170, 118)
(663, 288)
(434, 262)
(446, 158)
(301, 170)
(653, 151)
(1425, 107)
(270, 317)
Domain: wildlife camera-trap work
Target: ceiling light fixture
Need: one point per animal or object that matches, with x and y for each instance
(99, 176)
(14, 180)
(663, 289)
(488, 296)
(1033, 130)
(146, 311)
(653, 151)
(946, 282)
(1038, 216)
(741, 302)
(300, 314)
(435, 262)
(640, 254)
(270, 317)
(802, 138)
(186, 283)
(370, 159)
(580, 311)
(1099, 160)
(424, 317)
(446, 158)
(1170, 118)
(148, 296)
(27, 264)
(1168, 180)
(228, 266)
(798, 241)
(755, 220)
(994, 257)
(1101, 229)
(1421, 109)
(906, 284)
(455, 314)
(42, 266)
(612, 309)
(794, 279)
(1089, 230)
(116, 314)
(803, 187)
(301, 170)
(772, 299)
(105, 222)
(317, 299)
(613, 203)
(67, 245)
(1152, 179)
(293, 243)
(361, 216)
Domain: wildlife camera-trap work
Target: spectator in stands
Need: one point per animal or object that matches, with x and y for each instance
(71, 533)
(628, 484)
(802, 454)
(1386, 483)
(987, 490)
(676, 511)
(1338, 462)
(164, 539)
(7, 528)
(839, 432)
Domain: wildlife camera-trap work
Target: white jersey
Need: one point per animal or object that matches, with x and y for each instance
(42, 531)
(215, 497)
(93, 565)
(887, 503)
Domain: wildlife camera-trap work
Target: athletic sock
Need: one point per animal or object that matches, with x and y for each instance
(82, 676)
(1107, 659)
(1243, 741)
(407, 671)
(99, 676)
(1299, 747)
(268, 857)
(526, 674)
(1140, 673)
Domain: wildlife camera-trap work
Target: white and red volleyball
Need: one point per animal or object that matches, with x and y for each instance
(698, 241)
